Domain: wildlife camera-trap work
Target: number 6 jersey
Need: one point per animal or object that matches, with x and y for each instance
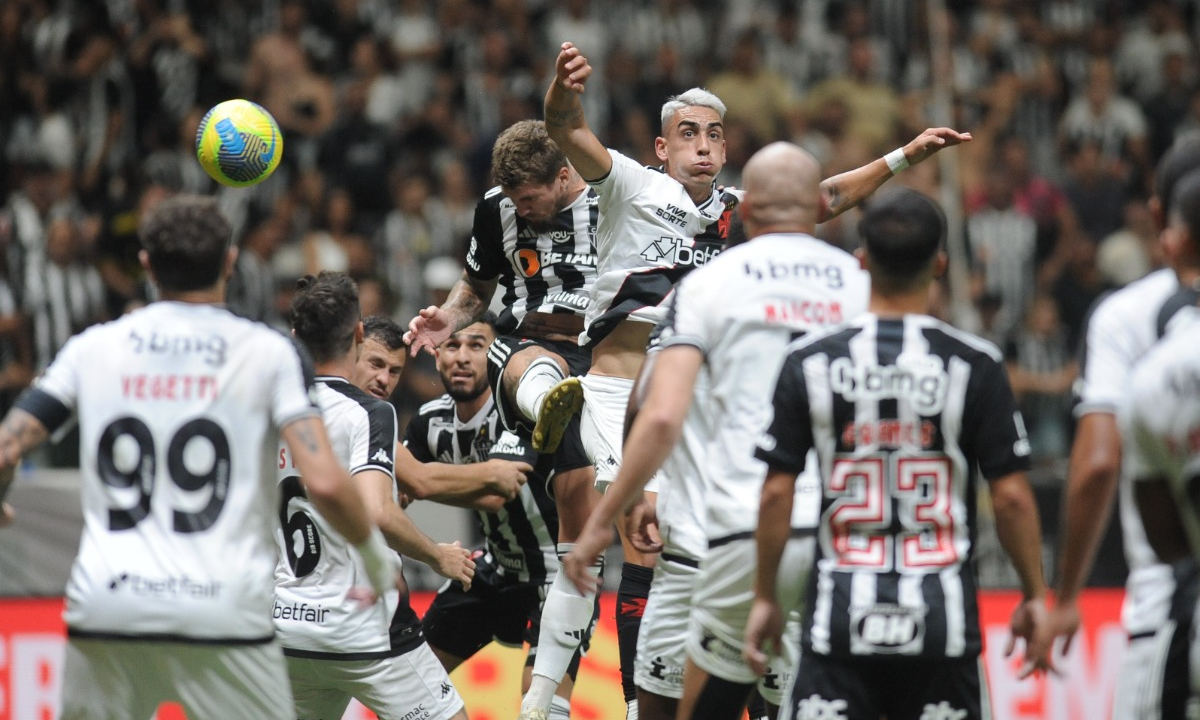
(179, 406)
(900, 412)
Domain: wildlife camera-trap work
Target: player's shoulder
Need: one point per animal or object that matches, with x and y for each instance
(491, 201)
(947, 340)
(342, 391)
(1139, 299)
(437, 407)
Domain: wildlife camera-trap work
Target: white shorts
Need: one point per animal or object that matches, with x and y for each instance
(721, 609)
(130, 679)
(602, 425)
(406, 686)
(661, 654)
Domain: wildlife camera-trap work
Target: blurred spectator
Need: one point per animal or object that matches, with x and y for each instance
(1042, 369)
(63, 290)
(873, 108)
(1112, 122)
(1131, 252)
(1077, 288)
(755, 95)
(1168, 107)
(411, 234)
(253, 288)
(1095, 190)
(1003, 240)
(673, 23)
(1146, 41)
(356, 153)
(799, 49)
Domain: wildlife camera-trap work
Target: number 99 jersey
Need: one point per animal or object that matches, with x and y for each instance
(179, 407)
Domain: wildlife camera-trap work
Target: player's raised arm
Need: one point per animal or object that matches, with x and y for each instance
(467, 302)
(20, 432)
(565, 122)
(846, 190)
(338, 500)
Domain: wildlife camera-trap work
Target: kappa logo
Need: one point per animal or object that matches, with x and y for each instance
(382, 457)
(942, 711)
(815, 707)
(446, 688)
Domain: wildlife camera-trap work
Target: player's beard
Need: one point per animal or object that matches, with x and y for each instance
(467, 394)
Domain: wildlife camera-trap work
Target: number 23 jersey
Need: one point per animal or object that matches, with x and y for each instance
(178, 408)
(901, 413)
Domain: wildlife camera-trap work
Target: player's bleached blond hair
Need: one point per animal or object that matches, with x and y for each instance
(696, 97)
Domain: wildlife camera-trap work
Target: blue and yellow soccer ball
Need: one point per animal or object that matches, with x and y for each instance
(238, 143)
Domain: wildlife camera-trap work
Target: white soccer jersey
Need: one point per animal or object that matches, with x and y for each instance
(651, 234)
(742, 310)
(1120, 331)
(317, 566)
(1163, 420)
(179, 406)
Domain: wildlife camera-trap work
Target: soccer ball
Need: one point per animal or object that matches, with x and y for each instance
(238, 143)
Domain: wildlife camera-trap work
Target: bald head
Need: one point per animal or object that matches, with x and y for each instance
(783, 190)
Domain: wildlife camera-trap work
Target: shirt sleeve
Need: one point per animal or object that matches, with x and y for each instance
(375, 445)
(624, 180)
(416, 438)
(1109, 351)
(485, 255)
(58, 384)
(788, 437)
(994, 431)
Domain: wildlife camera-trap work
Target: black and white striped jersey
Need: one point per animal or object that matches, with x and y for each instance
(902, 414)
(521, 538)
(651, 234)
(542, 269)
(314, 615)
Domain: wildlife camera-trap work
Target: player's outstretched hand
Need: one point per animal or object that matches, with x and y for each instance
(571, 69)
(6, 514)
(430, 328)
(505, 477)
(764, 634)
(1031, 623)
(641, 527)
(1064, 622)
(932, 140)
(454, 562)
(592, 543)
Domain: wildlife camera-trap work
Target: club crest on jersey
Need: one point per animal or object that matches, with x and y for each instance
(887, 629)
(674, 251)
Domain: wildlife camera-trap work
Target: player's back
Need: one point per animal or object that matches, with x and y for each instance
(1164, 419)
(742, 310)
(178, 406)
(901, 412)
(317, 566)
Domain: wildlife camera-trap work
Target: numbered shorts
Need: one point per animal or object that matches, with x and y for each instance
(721, 609)
(105, 679)
(408, 686)
(605, 400)
(897, 688)
(570, 454)
(462, 622)
(661, 652)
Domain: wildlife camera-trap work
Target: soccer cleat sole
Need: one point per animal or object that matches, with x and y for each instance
(558, 407)
(534, 714)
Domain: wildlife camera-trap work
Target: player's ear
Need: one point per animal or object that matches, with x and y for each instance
(231, 256)
(144, 260)
(660, 148)
(1156, 212)
(863, 261)
(359, 333)
(939, 265)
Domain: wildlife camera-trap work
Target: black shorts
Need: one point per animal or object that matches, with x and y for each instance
(1176, 673)
(495, 608)
(570, 454)
(889, 687)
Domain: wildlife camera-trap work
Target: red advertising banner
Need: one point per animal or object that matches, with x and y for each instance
(31, 648)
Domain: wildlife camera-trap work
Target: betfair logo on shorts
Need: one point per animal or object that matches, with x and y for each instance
(170, 587)
(815, 707)
(674, 251)
(942, 711)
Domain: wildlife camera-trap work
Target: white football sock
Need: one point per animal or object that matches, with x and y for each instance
(537, 380)
(566, 615)
(560, 708)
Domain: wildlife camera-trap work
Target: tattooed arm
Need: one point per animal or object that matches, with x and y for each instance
(565, 122)
(844, 191)
(20, 432)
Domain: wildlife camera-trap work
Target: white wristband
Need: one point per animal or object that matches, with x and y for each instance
(895, 160)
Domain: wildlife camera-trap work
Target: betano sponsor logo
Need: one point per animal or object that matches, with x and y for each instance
(529, 262)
